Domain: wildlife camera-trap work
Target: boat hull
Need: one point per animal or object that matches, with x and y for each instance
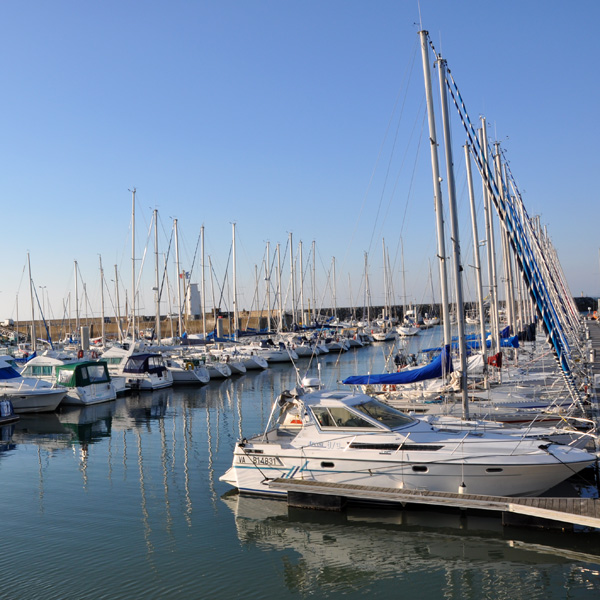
(250, 472)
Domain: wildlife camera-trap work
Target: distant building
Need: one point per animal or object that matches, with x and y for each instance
(193, 307)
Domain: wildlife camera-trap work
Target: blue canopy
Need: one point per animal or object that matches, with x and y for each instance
(439, 366)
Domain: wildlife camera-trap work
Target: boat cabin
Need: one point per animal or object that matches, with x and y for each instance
(82, 374)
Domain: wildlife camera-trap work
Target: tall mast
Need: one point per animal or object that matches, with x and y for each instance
(455, 237)
(367, 291)
(301, 285)
(203, 285)
(133, 263)
(157, 281)
(293, 281)
(491, 244)
(268, 285)
(33, 334)
(437, 191)
(236, 324)
(334, 289)
(102, 324)
(279, 289)
(118, 309)
(179, 319)
(76, 301)
(385, 282)
(476, 257)
(314, 281)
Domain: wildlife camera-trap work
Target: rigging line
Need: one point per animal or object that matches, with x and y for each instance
(410, 188)
(406, 88)
(222, 288)
(527, 257)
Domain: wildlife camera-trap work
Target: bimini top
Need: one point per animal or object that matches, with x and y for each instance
(81, 374)
(145, 363)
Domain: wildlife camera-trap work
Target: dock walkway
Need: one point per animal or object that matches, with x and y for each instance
(584, 512)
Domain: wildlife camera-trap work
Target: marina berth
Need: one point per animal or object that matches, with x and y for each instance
(345, 437)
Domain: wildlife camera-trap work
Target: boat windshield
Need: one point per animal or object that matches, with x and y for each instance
(386, 415)
(339, 417)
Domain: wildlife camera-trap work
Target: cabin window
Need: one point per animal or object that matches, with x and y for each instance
(494, 470)
(339, 416)
(96, 373)
(386, 415)
(420, 469)
(327, 465)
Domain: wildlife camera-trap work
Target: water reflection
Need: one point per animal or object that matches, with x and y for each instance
(356, 549)
(136, 482)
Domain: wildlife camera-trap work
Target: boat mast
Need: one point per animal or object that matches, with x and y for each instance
(279, 288)
(385, 283)
(133, 263)
(437, 191)
(314, 281)
(118, 311)
(102, 324)
(301, 285)
(76, 302)
(477, 259)
(179, 319)
(365, 309)
(268, 284)
(510, 285)
(491, 244)
(203, 285)
(334, 288)
(33, 334)
(455, 238)
(157, 282)
(293, 280)
(236, 324)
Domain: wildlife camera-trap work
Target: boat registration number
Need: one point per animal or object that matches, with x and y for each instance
(260, 460)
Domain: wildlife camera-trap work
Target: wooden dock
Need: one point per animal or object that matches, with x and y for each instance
(560, 513)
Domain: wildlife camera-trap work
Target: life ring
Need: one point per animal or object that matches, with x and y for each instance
(80, 354)
(189, 366)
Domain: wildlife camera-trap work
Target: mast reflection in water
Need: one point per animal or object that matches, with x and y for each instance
(122, 500)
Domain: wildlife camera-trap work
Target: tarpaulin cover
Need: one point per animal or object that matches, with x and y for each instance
(436, 368)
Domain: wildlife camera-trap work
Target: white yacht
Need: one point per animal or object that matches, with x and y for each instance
(27, 394)
(142, 369)
(341, 437)
(187, 370)
(86, 382)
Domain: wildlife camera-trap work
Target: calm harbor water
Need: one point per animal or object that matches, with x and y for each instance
(123, 500)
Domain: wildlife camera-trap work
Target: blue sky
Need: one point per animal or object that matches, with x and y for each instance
(302, 117)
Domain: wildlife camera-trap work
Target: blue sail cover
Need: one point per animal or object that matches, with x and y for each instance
(439, 366)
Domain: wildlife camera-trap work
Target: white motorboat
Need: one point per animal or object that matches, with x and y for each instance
(45, 366)
(187, 370)
(341, 437)
(271, 352)
(87, 382)
(27, 394)
(141, 370)
(407, 330)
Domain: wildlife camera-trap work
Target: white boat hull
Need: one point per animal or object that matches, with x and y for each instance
(519, 479)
